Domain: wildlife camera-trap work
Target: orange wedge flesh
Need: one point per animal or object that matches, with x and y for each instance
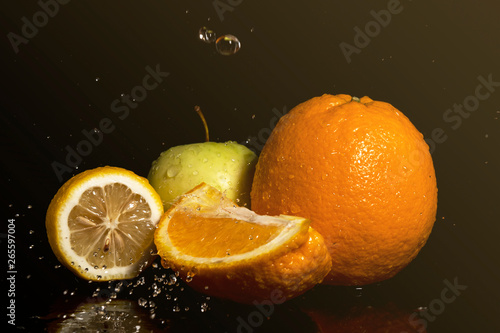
(228, 251)
(214, 239)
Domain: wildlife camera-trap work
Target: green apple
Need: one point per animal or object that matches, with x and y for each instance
(227, 166)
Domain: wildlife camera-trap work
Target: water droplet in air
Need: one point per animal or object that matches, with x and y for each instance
(30, 206)
(97, 79)
(204, 307)
(176, 308)
(142, 302)
(32, 232)
(227, 45)
(207, 35)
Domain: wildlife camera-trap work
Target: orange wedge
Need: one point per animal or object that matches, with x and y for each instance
(228, 251)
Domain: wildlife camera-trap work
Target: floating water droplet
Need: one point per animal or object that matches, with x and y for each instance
(142, 302)
(97, 79)
(31, 246)
(176, 308)
(32, 232)
(172, 279)
(227, 45)
(30, 206)
(204, 307)
(207, 35)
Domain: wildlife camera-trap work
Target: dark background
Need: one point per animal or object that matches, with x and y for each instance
(427, 59)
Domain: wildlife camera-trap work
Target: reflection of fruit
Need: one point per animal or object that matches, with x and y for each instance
(101, 222)
(362, 173)
(115, 316)
(227, 166)
(366, 319)
(230, 252)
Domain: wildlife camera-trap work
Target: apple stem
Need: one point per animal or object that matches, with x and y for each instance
(198, 111)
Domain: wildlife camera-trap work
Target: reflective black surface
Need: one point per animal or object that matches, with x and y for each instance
(435, 61)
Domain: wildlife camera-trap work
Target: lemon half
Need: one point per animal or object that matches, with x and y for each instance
(101, 223)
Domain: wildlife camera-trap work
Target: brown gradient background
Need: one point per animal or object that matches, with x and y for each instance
(427, 59)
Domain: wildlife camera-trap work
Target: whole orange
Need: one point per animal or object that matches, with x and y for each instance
(363, 174)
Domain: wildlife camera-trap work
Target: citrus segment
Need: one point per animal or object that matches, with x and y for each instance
(228, 251)
(213, 235)
(100, 224)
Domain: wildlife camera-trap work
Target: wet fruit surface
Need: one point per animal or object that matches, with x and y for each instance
(362, 173)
